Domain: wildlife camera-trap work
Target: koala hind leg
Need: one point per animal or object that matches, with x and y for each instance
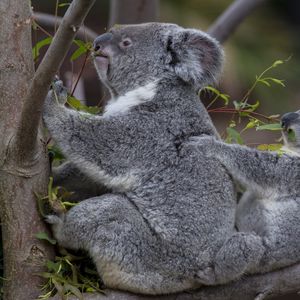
(127, 253)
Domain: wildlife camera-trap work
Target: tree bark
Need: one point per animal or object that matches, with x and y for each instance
(232, 17)
(24, 255)
(133, 11)
(24, 160)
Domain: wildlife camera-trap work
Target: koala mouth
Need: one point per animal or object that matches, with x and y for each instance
(100, 53)
(101, 60)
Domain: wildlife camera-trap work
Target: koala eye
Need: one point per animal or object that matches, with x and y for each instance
(126, 43)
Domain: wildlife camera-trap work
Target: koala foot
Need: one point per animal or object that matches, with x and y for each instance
(241, 253)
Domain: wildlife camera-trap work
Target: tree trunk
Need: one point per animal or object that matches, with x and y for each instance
(24, 255)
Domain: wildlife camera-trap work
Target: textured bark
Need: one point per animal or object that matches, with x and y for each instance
(24, 255)
(133, 11)
(232, 17)
(23, 156)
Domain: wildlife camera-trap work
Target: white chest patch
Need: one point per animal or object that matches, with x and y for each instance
(123, 104)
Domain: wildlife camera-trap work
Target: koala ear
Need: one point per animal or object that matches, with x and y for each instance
(194, 56)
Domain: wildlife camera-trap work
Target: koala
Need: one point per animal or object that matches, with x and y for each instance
(168, 223)
(270, 207)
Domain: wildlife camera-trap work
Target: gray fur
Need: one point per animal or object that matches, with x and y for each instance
(168, 224)
(270, 206)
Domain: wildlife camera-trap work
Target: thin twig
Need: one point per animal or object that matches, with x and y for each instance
(81, 71)
(236, 111)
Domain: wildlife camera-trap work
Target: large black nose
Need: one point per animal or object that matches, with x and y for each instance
(101, 40)
(288, 118)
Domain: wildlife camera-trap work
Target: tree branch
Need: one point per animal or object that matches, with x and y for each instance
(258, 287)
(231, 18)
(26, 137)
(133, 11)
(49, 20)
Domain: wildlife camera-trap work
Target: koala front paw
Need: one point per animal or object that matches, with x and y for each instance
(58, 92)
(57, 224)
(53, 219)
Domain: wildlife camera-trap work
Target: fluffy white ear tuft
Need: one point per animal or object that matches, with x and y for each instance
(194, 56)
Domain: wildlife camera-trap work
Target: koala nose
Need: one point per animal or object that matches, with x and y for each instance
(102, 39)
(288, 118)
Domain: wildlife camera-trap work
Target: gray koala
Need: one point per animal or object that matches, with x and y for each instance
(169, 223)
(270, 206)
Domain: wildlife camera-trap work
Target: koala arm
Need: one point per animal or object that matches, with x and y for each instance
(72, 130)
(262, 171)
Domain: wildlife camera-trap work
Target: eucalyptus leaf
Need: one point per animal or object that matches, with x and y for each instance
(273, 127)
(44, 236)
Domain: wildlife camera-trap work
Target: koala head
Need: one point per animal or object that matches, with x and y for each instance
(290, 123)
(128, 56)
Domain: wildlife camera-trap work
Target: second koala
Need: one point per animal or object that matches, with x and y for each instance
(270, 207)
(168, 224)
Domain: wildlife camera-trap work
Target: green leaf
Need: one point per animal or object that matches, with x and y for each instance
(277, 63)
(264, 82)
(39, 45)
(253, 107)
(274, 116)
(44, 236)
(291, 136)
(278, 81)
(79, 43)
(76, 104)
(269, 147)
(74, 290)
(56, 152)
(64, 4)
(78, 52)
(82, 48)
(59, 287)
(233, 136)
(53, 266)
(251, 124)
(238, 105)
(275, 126)
(224, 97)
